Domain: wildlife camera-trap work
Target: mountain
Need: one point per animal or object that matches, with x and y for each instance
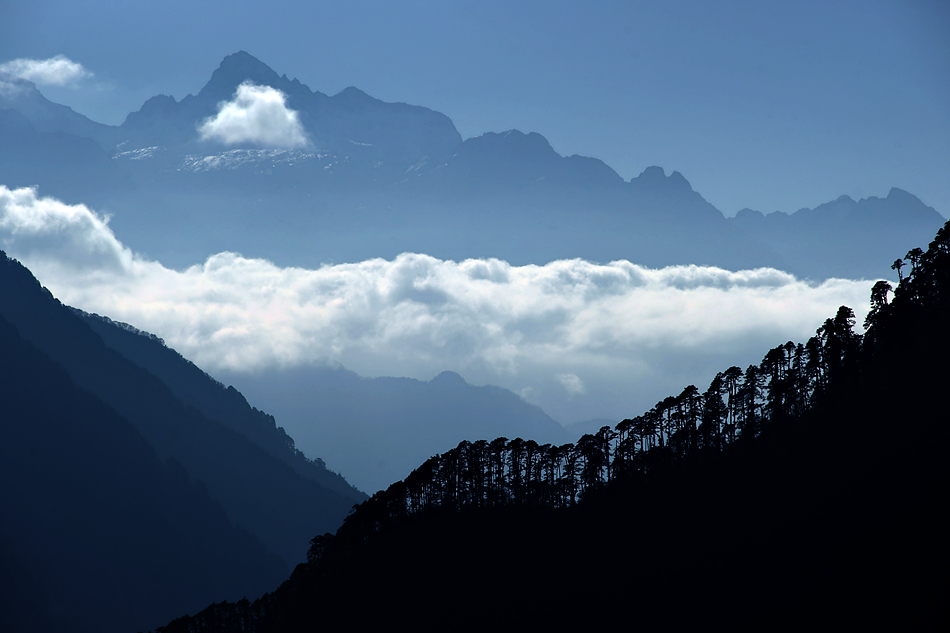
(225, 405)
(72, 168)
(352, 124)
(806, 489)
(856, 231)
(97, 533)
(240, 464)
(48, 117)
(377, 429)
(364, 178)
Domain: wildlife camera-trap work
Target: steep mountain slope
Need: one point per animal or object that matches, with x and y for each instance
(221, 404)
(259, 492)
(807, 491)
(48, 117)
(96, 534)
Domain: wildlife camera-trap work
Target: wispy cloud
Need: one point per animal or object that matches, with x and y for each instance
(572, 335)
(257, 115)
(55, 71)
(573, 385)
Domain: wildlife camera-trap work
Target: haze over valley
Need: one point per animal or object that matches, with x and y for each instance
(291, 295)
(388, 246)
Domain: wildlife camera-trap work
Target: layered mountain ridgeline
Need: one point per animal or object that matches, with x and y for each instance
(126, 498)
(806, 490)
(378, 179)
(96, 532)
(378, 429)
(225, 405)
(860, 232)
(73, 168)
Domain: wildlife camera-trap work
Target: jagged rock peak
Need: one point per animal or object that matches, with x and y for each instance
(236, 69)
(654, 177)
(900, 195)
(531, 143)
(354, 97)
(654, 173)
(749, 215)
(679, 180)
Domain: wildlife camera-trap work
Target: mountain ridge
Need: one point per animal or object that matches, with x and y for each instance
(376, 429)
(99, 533)
(260, 492)
(225, 405)
(379, 179)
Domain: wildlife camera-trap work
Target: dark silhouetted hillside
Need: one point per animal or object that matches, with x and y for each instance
(805, 491)
(260, 493)
(96, 533)
(224, 405)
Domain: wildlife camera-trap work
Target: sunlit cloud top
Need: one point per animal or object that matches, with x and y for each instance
(55, 71)
(257, 115)
(564, 329)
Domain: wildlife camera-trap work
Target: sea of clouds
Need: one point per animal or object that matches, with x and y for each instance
(582, 340)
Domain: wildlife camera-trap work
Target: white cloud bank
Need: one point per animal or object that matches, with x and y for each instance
(581, 339)
(55, 71)
(258, 115)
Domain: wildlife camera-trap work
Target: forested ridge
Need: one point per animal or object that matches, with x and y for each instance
(806, 489)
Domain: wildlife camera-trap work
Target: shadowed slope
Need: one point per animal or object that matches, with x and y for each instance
(216, 402)
(96, 534)
(259, 492)
(809, 493)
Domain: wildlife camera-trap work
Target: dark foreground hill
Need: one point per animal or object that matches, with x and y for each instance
(225, 405)
(126, 499)
(806, 491)
(96, 533)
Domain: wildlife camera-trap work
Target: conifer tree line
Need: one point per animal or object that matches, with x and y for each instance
(737, 407)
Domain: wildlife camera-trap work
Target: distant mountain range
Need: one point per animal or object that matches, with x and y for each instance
(375, 179)
(376, 430)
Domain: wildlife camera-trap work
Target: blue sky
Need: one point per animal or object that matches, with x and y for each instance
(769, 105)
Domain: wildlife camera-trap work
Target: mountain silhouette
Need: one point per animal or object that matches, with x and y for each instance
(804, 491)
(376, 179)
(375, 430)
(857, 231)
(97, 533)
(72, 168)
(234, 453)
(225, 405)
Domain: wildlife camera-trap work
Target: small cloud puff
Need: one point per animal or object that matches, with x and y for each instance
(573, 385)
(55, 71)
(257, 115)
(67, 235)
